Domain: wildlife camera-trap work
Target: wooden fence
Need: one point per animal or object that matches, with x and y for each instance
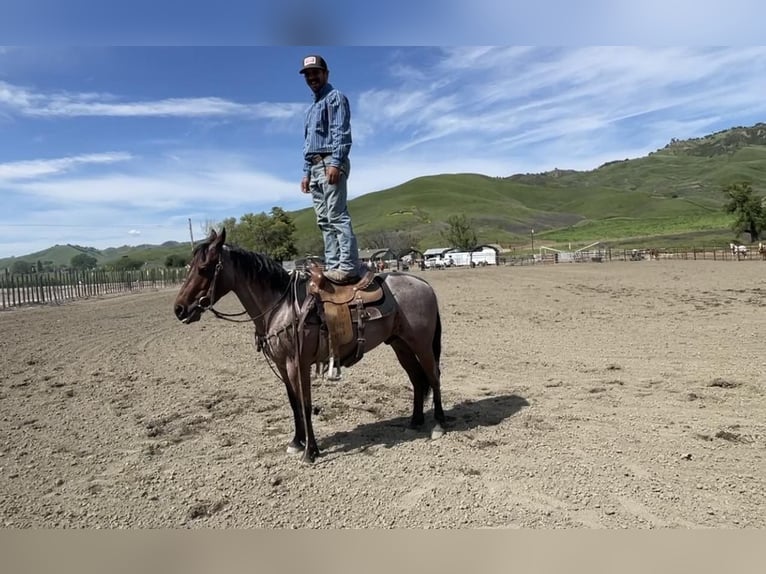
(608, 255)
(702, 254)
(61, 286)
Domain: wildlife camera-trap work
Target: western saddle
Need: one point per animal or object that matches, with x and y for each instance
(343, 305)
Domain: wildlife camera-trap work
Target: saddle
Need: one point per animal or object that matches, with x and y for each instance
(364, 289)
(344, 305)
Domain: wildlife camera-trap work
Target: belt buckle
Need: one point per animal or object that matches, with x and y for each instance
(316, 158)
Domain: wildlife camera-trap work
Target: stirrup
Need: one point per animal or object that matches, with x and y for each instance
(333, 371)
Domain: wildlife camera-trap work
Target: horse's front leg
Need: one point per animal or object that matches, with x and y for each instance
(300, 378)
(299, 438)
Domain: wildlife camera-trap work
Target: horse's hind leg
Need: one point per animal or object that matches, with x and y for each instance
(429, 367)
(409, 361)
(433, 376)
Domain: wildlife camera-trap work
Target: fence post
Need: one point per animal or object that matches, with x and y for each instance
(28, 288)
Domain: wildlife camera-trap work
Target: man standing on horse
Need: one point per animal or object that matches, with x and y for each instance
(327, 143)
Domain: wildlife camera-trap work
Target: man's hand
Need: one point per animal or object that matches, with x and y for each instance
(305, 185)
(333, 174)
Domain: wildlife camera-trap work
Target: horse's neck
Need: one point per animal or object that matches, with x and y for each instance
(257, 300)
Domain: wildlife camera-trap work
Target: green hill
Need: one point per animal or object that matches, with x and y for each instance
(671, 197)
(61, 255)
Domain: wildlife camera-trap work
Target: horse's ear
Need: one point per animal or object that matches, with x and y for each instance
(212, 235)
(217, 240)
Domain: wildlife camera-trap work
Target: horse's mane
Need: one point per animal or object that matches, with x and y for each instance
(255, 266)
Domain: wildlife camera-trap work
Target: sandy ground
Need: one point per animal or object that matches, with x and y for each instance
(578, 395)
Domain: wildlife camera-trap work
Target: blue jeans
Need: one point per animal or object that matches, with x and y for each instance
(340, 248)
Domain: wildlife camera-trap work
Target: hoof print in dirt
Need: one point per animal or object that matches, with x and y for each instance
(724, 384)
(205, 509)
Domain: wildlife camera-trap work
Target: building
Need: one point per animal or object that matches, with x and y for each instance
(368, 255)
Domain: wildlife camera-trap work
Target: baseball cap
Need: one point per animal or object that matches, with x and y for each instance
(313, 61)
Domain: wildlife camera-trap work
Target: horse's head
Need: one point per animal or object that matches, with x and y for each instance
(205, 282)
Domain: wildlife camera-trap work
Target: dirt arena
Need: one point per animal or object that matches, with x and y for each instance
(616, 395)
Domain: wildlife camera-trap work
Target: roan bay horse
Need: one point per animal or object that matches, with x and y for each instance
(288, 321)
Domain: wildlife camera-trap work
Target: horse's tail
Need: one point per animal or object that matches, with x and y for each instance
(436, 346)
(437, 342)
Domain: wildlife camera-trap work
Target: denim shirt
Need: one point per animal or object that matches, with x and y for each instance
(327, 128)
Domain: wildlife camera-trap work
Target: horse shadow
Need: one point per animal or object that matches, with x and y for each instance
(464, 416)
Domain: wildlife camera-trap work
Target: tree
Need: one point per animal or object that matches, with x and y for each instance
(126, 263)
(399, 242)
(83, 261)
(460, 233)
(176, 260)
(272, 234)
(312, 245)
(20, 266)
(748, 209)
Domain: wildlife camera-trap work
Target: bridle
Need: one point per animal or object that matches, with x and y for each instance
(206, 301)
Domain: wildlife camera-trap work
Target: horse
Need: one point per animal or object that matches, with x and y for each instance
(739, 251)
(287, 317)
(762, 250)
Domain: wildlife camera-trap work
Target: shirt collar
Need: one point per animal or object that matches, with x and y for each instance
(323, 92)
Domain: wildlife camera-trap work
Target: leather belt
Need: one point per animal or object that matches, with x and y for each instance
(319, 157)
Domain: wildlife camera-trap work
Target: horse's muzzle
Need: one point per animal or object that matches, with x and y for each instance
(187, 315)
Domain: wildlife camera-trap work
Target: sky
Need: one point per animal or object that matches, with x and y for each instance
(106, 146)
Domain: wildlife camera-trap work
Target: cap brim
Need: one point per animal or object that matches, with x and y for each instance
(307, 68)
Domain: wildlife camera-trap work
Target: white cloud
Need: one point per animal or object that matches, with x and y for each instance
(163, 188)
(504, 99)
(30, 103)
(45, 167)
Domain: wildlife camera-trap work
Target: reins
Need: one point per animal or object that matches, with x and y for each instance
(205, 302)
(299, 317)
(300, 312)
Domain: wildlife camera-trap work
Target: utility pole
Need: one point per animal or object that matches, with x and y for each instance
(191, 235)
(533, 241)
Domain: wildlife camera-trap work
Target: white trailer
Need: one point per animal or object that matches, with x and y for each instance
(484, 256)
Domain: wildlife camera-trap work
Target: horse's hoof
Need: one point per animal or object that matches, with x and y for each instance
(437, 432)
(295, 448)
(307, 458)
(416, 423)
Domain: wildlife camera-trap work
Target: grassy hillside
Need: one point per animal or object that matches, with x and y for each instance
(61, 255)
(671, 197)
